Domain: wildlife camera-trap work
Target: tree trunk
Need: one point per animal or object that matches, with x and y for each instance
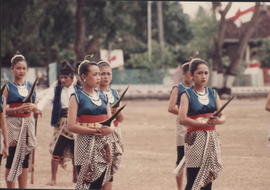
(93, 47)
(80, 31)
(250, 28)
(219, 39)
(234, 67)
(217, 76)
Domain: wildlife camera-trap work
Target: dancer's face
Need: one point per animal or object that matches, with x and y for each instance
(66, 80)
(106, 75)
(201, 75)
(92, 79)
(19, 70)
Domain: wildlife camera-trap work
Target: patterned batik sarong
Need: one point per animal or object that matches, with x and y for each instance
(202, 150)
(118, 148)
(61, 129)
(21, 133)
(94, 155)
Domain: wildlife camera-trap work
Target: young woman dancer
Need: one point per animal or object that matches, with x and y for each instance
(20, 124)
(202, 149)
(93, 147)
(113, 96)
(173, 108)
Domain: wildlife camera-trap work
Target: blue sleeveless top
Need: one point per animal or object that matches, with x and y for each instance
(115, 96)
(13, 93)
(181, 88)
(87, 107)
(196, 107)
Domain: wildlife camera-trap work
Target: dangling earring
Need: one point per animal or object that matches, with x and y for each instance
(84, 80)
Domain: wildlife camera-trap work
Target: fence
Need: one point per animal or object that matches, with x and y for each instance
(138, 76)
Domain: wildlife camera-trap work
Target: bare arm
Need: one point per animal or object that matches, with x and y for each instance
(267, 105)
(183, 118)
(4, 130)
(173, 108)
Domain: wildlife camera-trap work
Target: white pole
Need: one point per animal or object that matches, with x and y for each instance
(160, 26)
(149, 29)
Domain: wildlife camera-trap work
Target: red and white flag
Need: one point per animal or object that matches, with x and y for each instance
(115, 58)
(242, 16)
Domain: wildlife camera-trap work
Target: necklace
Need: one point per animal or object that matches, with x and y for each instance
(110, 96)
(202, 96)
(23, 91)
(94, 98)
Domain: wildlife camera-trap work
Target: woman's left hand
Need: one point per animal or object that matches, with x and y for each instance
(213, 120)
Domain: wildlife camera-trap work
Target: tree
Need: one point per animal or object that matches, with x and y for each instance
(223, 80)
(234, 67)
(47, 31)
(217, 74)
(204, 28)
(20, 29)
(80, 31)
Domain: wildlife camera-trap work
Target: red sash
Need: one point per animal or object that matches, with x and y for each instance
(116, 122)
(209, 128)
(91, 118)
(14, 105)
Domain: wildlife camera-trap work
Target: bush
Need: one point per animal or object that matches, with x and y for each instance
(140, 60)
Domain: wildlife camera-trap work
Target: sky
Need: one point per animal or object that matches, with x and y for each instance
(191, 7)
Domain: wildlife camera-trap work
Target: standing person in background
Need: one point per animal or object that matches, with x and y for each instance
(267, 108)
(62, 145)
(202, 148)
(3, 131)
(113, 97)
(20, 123)
(93, 147)
(173, 108)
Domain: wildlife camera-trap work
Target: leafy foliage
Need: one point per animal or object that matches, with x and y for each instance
(45, 31)
(204, 28)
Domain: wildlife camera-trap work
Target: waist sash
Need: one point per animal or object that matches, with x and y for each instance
(201, 117)
(91, 118)
(14, 105)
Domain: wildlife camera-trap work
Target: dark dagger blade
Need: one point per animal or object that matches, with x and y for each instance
(120, 99)
(27, 99)
(109, 121)
(222, 107)
(2, 89)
